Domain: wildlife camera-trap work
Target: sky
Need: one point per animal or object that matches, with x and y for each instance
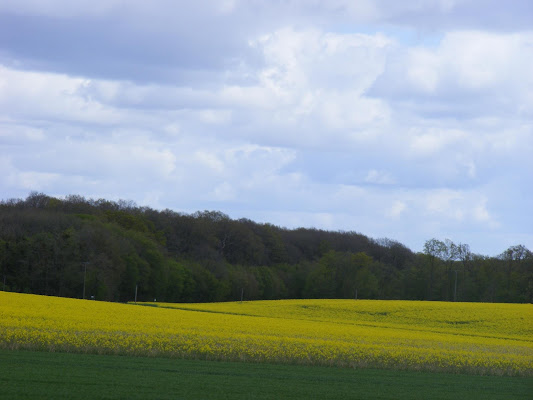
(405, 120)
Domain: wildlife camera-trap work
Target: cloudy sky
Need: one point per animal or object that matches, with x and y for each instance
(407, 120)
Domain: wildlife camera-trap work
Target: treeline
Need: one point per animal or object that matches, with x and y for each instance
(77, 247)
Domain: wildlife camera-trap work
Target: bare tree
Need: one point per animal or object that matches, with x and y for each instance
(450, 254)
(465, 256)
(435, 250)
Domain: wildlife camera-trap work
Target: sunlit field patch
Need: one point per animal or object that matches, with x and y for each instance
(454, 337)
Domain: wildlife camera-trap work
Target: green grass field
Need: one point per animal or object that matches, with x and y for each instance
(40, 375)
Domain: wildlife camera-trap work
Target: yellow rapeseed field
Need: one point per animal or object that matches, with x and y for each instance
(454, 337)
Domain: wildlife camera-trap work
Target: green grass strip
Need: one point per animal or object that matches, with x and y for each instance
(32, 375)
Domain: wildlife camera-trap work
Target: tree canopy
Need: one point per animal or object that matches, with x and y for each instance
(111, 251)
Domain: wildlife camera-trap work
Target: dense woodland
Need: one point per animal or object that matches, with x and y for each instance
(77, 247)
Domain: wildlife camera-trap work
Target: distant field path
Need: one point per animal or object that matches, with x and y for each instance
(477, 338)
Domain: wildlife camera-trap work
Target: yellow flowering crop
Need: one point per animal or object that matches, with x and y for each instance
(455, 337)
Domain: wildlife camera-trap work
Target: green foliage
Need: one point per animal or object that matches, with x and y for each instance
(115, 249)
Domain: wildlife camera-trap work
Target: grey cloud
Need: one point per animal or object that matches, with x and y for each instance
(117, 48)
(186, 42)
(512, 15)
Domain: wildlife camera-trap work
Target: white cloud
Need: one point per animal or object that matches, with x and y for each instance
(318, 80)
(466, 207)
(379, 177)
(445, 202)
(464, 63)
(396, 209)
(210, 160)
(481, 213)
(223, 192)
(433, 140)
(48, 96)
(423, 70)
(12, 133)
(315, 59)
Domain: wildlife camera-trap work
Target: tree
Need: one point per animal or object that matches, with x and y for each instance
(414, 279)
(3, 267)
(46, 243)
(514, 255)
(450, 254)
(275, 251)
(320, 282)
(434, 250)
(364, 282)
(367, 283)
(528, 263)
(37, 200)
(465, 256)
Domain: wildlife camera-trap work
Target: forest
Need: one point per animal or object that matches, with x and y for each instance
(118, 251)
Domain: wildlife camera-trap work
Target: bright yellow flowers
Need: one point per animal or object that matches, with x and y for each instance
(455, 337)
